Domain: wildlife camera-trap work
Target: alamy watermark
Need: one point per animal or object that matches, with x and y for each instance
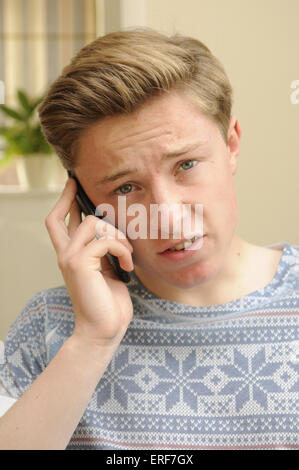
(2, 92)
(294, 97)
(165, 221)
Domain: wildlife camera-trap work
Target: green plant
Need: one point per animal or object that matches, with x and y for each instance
(23, 136)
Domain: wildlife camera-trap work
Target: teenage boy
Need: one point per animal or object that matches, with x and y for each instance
(200, 349)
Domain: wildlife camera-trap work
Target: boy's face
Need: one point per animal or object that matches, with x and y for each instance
(140, 141)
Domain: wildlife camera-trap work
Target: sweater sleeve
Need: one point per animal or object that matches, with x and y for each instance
(23, 355)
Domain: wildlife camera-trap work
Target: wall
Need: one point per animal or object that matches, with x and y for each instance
(28, 259)
(257, 41)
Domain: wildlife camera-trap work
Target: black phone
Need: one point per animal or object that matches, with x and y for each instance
(88, 208)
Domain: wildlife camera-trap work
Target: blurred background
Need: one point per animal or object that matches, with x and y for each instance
(257, 41)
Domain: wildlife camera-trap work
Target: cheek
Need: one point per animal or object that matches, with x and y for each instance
(221, 201)
(140, 248)
(230, 206)
(233, 210)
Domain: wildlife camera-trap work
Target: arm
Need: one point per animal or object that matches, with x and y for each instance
(47, 414)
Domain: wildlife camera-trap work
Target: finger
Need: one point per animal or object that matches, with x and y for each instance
(107, 269)
(88, 230)
(55, 221)
(83, 234)
(99, 248)
(107, 229)
(63, 205)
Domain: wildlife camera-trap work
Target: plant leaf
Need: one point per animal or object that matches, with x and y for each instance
(24, 136)
(24, 101)
(11, 112)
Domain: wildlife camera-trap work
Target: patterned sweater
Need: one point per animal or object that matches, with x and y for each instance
(183, 377)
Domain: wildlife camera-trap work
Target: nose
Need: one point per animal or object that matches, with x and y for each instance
(167, 212)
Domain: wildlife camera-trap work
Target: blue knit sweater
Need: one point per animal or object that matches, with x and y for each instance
(183, 377)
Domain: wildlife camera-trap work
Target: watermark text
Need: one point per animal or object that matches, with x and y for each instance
(159, 221)
(295, 94)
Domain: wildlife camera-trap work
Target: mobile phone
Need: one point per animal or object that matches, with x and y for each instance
(88, 208)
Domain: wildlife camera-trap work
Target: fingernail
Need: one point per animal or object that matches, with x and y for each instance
(131, 266)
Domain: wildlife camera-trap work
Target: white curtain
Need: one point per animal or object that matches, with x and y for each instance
(38, 37)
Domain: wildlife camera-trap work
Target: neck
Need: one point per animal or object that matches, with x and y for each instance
(244, 269)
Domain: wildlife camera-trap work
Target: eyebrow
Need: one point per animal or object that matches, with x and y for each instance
(128, 171)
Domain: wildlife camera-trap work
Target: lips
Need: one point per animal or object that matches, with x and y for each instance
(172, 245)
(182, 256)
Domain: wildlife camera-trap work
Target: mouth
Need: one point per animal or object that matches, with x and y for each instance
(181, 245)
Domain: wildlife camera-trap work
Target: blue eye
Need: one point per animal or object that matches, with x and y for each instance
(188, 162)
(125, 187)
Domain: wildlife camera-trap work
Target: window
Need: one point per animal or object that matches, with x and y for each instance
(37, 39)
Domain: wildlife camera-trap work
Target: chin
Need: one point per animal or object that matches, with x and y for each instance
(189, 277)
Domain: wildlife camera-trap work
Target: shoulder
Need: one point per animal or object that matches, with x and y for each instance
(289, 268)
(55, 299)
(288, 252)
(56, 305)
(45, 310)
(290, 259)
(292, 253)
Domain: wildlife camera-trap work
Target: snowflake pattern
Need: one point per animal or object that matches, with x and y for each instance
(207, 377)
(118, 381)
(250, 379)
(181, 380)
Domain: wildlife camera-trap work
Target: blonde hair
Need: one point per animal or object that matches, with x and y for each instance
(120, 71)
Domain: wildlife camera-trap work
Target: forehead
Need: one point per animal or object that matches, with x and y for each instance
(162, 126)
(162, 120)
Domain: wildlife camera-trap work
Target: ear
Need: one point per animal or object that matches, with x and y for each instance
(233, 143)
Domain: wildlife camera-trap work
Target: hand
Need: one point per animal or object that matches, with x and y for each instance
(102, 304)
